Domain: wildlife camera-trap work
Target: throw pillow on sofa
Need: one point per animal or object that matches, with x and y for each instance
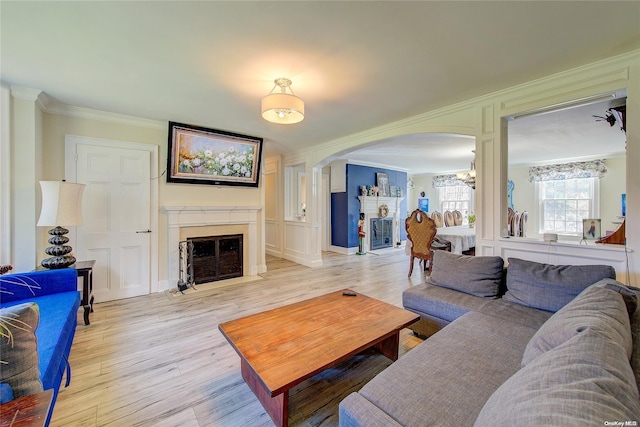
(550, 287)
(476, 275)
(585, 381)
(18, 349)
(600, 307)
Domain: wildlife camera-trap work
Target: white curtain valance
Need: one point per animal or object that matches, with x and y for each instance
(446, 181)
(592, 169)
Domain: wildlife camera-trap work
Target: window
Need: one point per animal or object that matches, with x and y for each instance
(565, 203)
(455, 198)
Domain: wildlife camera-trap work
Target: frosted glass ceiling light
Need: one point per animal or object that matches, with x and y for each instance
(284, 107)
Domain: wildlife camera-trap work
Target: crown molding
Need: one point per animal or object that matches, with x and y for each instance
(30, 94)
(103, 116)
(375, 165)
(26, 93)
(46, 105)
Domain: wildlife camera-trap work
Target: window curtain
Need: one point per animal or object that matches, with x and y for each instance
(446, 181)
(592, 169)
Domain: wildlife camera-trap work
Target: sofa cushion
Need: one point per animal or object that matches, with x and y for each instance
(18, 349)
(356, 411)
(58, 320)
(585, 381)
(458, 367)
(600, 307)
(475, 275)
(515, 313)
(550, 287)
(442, 303)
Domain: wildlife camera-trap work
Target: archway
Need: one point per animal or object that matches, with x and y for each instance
(399, 157)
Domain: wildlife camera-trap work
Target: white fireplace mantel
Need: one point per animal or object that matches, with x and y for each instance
(370, 205)
(196, 216)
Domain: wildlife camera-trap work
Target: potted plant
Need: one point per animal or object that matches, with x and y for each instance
(472, 220)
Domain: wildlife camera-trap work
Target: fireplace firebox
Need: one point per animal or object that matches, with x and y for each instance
(381, 233)
(214, 258)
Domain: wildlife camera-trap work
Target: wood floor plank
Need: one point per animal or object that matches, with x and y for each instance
(159, 360)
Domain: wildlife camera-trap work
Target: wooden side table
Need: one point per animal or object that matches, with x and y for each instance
(85, 270)
(27, 411)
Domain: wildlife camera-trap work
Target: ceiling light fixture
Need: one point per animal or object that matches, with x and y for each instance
(469, 177)
(284, 107)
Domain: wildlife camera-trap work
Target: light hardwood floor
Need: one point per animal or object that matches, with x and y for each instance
(158, 360)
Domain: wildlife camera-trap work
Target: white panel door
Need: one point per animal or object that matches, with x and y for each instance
(116, 213)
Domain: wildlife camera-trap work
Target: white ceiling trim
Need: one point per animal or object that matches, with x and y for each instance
(104, 116)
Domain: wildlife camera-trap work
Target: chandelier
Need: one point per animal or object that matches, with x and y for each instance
(469, 177)
(282, 107)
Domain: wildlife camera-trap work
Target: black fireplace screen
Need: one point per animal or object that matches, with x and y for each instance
(381, 233)
(212, 258)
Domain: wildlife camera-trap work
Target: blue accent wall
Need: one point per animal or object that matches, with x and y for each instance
(339, 222)
(345, 207)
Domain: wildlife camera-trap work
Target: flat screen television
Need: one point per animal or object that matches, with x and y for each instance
(198, 155)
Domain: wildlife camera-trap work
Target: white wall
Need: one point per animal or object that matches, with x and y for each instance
(45, 133)
(26, 172)
(485, 119)
(611, 188)
(481, 117)
(422, 182)
(273, 206)
(5, 176)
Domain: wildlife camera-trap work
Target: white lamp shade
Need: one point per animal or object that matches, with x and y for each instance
(61, 203)
(282, 108)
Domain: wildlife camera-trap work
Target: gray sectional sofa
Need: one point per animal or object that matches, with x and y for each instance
(544, 346)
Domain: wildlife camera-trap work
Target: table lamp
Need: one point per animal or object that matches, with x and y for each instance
(61, 206)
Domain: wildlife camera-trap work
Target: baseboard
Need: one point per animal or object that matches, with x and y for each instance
(162, 286)
(276, 252)
(343, 251)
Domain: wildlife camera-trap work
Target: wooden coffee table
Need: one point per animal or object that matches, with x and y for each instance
(280, 348)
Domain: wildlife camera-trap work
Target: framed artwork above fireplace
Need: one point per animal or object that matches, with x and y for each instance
(199, 155)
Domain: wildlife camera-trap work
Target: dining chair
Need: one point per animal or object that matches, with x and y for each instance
(421, 232)
(457, 218)
(437, 218)
(448, 219)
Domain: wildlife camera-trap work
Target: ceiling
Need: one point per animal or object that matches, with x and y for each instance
(356, 64)
(563, 135)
